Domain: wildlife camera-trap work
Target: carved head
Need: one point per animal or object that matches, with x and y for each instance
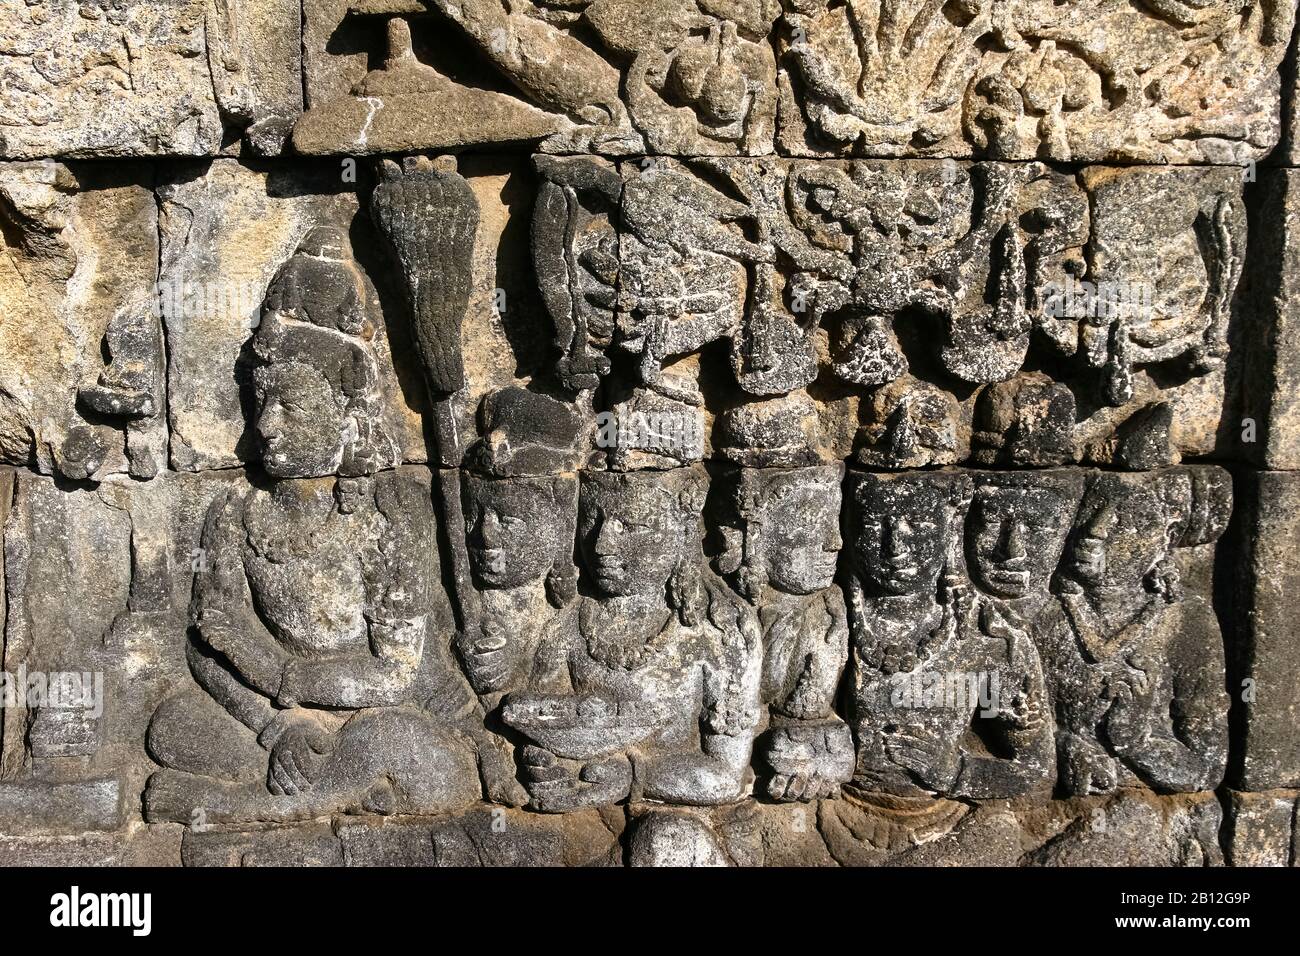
(1016, 528)
(520, 530)
(1129, 523)
(900, 528)
(1122, 533)
(300, 421)
(639, 532)
(780, 527)
(317, 401)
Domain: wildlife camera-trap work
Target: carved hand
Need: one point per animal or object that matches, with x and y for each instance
(557, 786)
(1128, 679)
(1020, 710)
(484, 655)
(300, 743)
(1128, 722)
(931, 759)
(1086, 767)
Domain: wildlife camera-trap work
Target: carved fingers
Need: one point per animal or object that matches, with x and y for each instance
(296, 757)
(557, 786)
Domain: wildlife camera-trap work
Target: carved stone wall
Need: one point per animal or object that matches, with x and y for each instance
(590, 432)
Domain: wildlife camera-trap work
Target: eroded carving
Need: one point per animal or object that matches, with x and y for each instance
(653, 689)
(1134, 663)
(318, 639)
(1035, 80)
(780, 545)
(947, 698)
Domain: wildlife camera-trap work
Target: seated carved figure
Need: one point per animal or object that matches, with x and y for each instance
(781, 540)
(653, 691)
(937, 706)
(520, 505)
(1135, 665)
(323, 686)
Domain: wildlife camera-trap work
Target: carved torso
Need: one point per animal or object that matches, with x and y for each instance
(312, 575)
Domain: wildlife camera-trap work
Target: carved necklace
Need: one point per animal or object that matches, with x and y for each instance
(628, 652)
(910, 644)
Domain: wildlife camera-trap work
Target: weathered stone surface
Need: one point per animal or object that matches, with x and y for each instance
(1128, 828)
(83, 676)
(674, 77)
(655, 433)
(311, 845)
(226, 230)
(217, 283)
(926, 299)
(1261, 829)
(61, 807)
(137, 845)
(1176, 82)
(135, 78)
(82, 395)
(1266, 672)
(487, 837)
(1188, 83)
(1269, 426)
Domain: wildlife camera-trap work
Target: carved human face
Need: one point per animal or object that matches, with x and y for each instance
(1015, 532)
(784, 530)
(1121, 532)
(900, 530)
(514, 527)
(632, 531)
(300, 422)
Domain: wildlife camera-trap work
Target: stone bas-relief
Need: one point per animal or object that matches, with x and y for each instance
(646, 434)
(135, 78)
(989, 313)
(310, 637)
(1160, 82)
(1189, 82)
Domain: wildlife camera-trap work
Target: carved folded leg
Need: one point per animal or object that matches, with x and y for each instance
(192, 732)
(396, 760)
(385, 761)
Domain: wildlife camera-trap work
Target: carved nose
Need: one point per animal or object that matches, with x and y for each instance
(269, 422)
(490, 530)
(898, 535)
(1013, 545)
(606, 533)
